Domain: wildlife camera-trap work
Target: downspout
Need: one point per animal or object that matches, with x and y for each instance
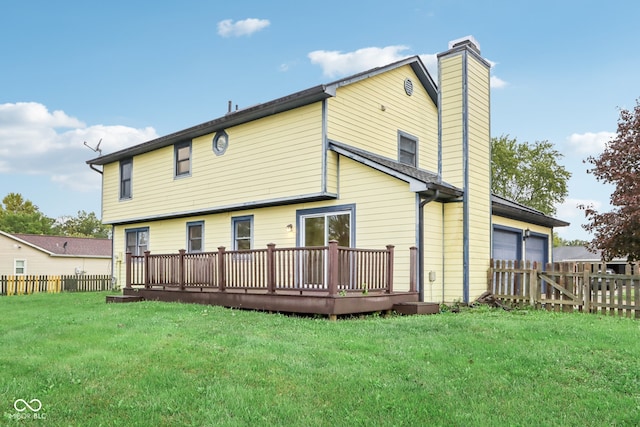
(94, 168)
(421, 241)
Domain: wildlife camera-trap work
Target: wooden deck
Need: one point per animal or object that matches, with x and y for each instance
(327, 280)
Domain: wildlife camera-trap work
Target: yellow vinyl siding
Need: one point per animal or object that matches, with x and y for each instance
(479, 185)
(356, 116)
(451, 119)
(271, 158)
(433, 246)
(453, 251)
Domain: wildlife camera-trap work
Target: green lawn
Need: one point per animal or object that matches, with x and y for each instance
(152, 364)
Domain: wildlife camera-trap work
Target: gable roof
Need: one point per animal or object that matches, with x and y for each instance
(288, 102)
(65, 246)
(419, 180)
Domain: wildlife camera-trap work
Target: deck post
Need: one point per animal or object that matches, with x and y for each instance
(413, 262)
(390, 255)
(127, 271)
(147, 270)
(332, 268)
(181, 269)
(271, 268)
(222, 274)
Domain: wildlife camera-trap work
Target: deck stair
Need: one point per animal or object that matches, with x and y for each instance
(416, 307)
(124, 298)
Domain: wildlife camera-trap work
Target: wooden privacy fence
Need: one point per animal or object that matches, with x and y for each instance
(567, 286)
(330, 268)
(29, 284)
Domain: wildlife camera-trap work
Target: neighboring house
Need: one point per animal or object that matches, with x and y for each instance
(583, 254)
(31, 254)
(381, 157)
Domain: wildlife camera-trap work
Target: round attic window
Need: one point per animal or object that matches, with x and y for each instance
(408, 87)
(220, 143)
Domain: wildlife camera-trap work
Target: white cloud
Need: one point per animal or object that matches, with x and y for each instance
(497, 82)
(30, 143)
(35, 115)
(430, 61)
(335, 63)
(569, 210)
(590, 142)
(245, 27)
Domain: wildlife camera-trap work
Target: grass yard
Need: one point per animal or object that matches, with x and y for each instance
(152, 364)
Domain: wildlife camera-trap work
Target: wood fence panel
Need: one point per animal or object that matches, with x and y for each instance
(566, 287)
(29, 284)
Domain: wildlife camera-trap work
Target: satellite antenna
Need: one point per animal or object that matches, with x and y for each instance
(97, 149)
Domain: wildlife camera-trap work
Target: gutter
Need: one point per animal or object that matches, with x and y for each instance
(421, 228)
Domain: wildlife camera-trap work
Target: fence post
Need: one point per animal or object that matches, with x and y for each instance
(147, 270)
(127, 271)
(390, 256)
(533, 280)
(332, 268)
(586, 286)
(413, 271)
(271, 268)
(181, 269)
(222, 274)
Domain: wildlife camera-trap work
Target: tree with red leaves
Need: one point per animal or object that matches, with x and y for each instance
(617, 233)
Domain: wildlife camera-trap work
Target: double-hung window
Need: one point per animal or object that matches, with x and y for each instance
(182, 159)
(242, 233)
(137, 240)
(195, 236)
(407, 149)
(126, 172)
(20, 267)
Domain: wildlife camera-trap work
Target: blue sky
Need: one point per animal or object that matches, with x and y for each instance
(126, 72)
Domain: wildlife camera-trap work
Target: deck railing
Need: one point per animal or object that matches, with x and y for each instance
(331, 269)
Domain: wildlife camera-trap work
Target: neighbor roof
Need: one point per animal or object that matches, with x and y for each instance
(294, 100)
(581, 253)
(65, 246)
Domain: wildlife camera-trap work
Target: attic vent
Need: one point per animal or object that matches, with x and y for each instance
(408, 87)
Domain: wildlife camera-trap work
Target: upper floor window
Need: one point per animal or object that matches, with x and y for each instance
(20, 266)
(183, 159)
(195, 236)
(126, 170)
(242, 232)
(407, 149)
(137, 240)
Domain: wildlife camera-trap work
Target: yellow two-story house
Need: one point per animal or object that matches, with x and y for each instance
(382, 157)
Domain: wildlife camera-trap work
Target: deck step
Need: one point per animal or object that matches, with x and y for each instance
(124, 298)
(417, 307)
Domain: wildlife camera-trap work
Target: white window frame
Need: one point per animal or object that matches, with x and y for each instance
(15, 267)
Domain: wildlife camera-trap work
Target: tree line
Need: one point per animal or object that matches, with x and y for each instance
(18, 215)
